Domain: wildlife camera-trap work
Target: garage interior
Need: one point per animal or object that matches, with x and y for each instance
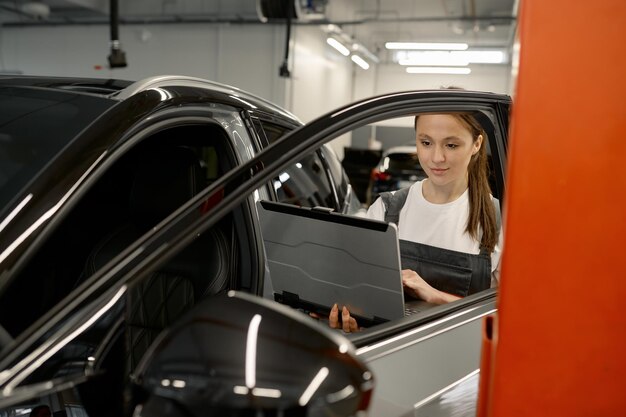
(231, 42)
(292, 56)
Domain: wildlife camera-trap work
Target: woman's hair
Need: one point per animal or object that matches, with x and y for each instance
(482, 211)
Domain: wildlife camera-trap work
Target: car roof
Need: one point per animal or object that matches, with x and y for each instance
(98, 86)
(120, 90)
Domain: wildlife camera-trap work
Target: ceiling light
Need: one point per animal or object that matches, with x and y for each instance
(435, 58)
(449, 58)
(438, 70)
(338, 46)
(427, 46)
(360, 61)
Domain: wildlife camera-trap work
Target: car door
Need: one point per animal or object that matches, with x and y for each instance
(384, 348)
(419, 358)
(445, 339)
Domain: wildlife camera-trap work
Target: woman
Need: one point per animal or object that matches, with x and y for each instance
(448, 224)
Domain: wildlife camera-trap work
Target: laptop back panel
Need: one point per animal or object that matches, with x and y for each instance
(317, 258)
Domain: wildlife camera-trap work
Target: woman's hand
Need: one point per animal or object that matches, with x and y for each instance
(416, 286)
(348, 324)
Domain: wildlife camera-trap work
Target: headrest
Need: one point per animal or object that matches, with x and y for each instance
(165, 179)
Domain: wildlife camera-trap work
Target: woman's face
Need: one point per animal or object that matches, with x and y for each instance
(444, 148)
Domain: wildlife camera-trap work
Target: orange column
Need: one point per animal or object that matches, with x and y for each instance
(561, 328)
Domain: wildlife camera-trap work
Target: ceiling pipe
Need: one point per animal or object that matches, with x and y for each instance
(283, 71)
(117, 59)
(184, 19)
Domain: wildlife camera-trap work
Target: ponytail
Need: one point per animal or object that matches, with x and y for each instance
(482, 214)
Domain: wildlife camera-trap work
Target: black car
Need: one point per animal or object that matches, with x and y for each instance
(88, 157)
(397, 168)
(136, 218)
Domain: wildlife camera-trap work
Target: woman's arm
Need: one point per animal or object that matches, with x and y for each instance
(417, 287)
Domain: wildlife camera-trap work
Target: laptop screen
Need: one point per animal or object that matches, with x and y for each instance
(317, 258)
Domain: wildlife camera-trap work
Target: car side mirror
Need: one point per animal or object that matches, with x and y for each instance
(239, 355)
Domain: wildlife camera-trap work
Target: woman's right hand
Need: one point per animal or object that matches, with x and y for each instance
(348, 323)
(415, 286)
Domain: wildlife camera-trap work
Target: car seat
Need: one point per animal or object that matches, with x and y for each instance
(164, 179)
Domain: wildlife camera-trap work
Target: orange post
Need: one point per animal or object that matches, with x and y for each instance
(561, 328)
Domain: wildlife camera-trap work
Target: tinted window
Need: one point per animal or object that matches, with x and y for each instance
(34, 126)
(125, 205)
(305, 184)
(336, 170)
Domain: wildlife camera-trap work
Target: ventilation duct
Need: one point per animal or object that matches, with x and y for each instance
(304, 10)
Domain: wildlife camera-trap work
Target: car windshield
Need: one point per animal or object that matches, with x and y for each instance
(35, 125)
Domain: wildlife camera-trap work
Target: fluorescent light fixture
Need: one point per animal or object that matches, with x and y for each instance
(438, 70)
(360, 61)
(449, 58)
(435, 58)
(427, 46)
(338, 46)
(365, 53)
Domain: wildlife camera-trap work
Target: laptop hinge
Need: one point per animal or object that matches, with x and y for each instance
(288, 298)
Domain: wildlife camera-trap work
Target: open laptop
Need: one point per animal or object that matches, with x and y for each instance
(317, 258)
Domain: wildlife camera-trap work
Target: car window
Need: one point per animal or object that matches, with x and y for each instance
(141, 188)
(338, 176)
(305, 184)
(109, 344)
(270, 131)
(27, 112)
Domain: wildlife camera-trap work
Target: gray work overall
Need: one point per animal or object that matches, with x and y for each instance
(454, 272)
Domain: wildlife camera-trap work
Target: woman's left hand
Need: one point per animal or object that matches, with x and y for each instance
(418, 288)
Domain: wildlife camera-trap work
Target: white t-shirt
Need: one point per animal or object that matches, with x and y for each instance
(439, 225)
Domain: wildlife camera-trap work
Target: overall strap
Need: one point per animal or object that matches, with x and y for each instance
(393, 203)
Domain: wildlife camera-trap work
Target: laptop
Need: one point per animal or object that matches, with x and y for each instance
(317, 257)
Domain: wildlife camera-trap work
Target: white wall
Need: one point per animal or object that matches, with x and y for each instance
(321, 79)
(247, 56)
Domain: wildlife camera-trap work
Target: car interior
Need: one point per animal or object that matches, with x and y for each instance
(140, 189)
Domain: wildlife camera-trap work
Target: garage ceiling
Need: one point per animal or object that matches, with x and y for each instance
(480, 23)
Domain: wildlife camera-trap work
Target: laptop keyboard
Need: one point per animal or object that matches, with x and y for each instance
(416, 306)
(410, 310)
